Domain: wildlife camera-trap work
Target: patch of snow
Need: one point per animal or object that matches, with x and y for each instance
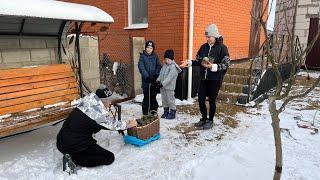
(312, 74)
(185, 102)
(29, 66)
(249, 104)
(30, 110)
(25, 117)
(55, 105)
(4, 116)
(139, 99)
(75, 102)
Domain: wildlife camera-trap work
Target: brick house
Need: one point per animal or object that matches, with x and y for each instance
(167, 22)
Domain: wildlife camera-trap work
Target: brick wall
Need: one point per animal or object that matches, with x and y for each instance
(233, 21)
(168, 24)
(166, 21)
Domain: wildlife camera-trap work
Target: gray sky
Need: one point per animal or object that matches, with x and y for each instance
(272, 14)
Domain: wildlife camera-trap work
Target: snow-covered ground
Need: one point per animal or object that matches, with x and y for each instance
(312, 74)
(224, 153)
(139, 99)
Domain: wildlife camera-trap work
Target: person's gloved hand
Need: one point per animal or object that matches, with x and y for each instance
(153, 80)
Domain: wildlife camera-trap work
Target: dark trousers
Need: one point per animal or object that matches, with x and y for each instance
(153, 105)
(93, 156)
(208, 88)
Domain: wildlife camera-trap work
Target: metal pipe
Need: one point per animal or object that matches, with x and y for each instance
(77, 44)
(63, 24)
(190, 48)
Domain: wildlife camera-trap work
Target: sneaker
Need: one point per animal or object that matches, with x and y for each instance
(208, 125)
(68, 165)
(200, 123)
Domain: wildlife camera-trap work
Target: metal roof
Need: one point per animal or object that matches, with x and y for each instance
(45, 17)
(50, 9)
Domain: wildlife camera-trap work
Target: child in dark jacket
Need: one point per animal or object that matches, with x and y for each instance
(149, 68)
(167, 80)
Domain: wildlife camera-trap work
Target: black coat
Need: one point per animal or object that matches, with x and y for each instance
(76, 133)
(218, 51)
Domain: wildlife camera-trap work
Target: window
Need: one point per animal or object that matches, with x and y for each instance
(138, 13)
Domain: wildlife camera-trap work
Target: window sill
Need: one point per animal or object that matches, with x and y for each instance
(137, 26)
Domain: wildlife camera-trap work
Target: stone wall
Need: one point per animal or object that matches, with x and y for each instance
(18, 52)
(89, 49)
(138, 46)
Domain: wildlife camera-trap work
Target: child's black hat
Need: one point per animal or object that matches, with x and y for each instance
(150, 43)
(169, 54)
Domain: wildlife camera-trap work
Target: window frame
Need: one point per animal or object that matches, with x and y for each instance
(134, 26)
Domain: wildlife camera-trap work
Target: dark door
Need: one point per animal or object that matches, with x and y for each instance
(313, 58)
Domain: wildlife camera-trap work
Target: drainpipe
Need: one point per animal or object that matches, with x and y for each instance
(190, 47)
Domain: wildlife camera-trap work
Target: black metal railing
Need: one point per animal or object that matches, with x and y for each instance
(259, 64)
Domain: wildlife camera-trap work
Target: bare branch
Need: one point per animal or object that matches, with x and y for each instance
(290, 98)
(265, 9)
(270, 55)
(269, 9)
(293, 57)
(286, 22)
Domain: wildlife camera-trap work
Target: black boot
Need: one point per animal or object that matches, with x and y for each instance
(172, 114)
(68, 165)
(200, 123)
(165, 113)
(154, 112)
(208, 125)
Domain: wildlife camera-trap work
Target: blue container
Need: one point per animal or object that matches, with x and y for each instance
(139, 142)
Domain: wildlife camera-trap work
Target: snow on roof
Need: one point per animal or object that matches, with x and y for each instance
(53, 10)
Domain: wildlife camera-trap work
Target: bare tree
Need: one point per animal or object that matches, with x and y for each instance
(283, 95)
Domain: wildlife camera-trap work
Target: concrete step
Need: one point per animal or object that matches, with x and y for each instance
(232, 98)
(236, 79)
(230, 87)
(238, 71)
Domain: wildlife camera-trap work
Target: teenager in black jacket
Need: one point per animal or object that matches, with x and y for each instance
(213, 59)
(149, 67)
(75, 139)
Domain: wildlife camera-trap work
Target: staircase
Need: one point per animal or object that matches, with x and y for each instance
(235, 87)
(251, 80)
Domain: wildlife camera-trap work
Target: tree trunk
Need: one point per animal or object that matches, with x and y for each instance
(277, 139)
